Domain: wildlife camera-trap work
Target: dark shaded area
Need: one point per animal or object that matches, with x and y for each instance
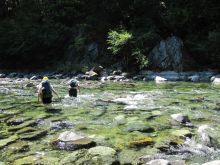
(38, 34)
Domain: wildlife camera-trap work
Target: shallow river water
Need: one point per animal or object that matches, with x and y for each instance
(133, 118)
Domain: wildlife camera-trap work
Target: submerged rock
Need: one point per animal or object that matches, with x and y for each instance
(7, 141)
(17, 147)
(182, 133)
(33, 135)
(23, 125)
(180, 119)
(142, 142)
(72, 141)
(97, 155)
(38, 159)
(16, 121)
(120, 120)
(138, 126)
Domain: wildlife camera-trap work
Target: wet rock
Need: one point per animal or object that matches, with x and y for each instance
(159, 79)
(12, 75)
(76, 157)
(204, 132)
(2, 75)
(180, 119)
(169, 75)
(120, 120)
(97, 69)
(61, 125)
(72, 141)
(18, 147)
(215, 162)
(215, 79)
(96, 155)
(34, 78)
(26, 130)
(4, 134)
(117, 72)
(38, 159)
(23, 125)
(16, 121)
(7, 141)
(91, 75)
(33, 135)
(158, 162)
(141, 127)
(194, 78)
(102, 154)
(182, 133)
(141, 142)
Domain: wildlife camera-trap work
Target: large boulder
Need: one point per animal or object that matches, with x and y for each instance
(73, 141)
(167, 55)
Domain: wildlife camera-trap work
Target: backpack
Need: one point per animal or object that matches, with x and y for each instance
(46, 89)
(73, 83)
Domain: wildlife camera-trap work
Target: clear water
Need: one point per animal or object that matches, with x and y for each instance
(96, 113)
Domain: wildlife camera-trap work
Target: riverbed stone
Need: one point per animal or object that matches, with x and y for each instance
(32, 159)
(180, 119)
(120, 120)
(17, 147)
(72, 141)
(182, 133)
(158, 162)
(215, 162)
(141, 142)
(102, 154)
(7, 141)
(23, 125)
(33, 135)
(16, 120)
(159, 79)
(139, 126)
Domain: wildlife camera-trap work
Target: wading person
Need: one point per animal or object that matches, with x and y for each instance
(45, 91)
(73, 87)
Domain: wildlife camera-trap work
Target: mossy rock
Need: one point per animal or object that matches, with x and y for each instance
(26, 130)
(33, 160)
(17, 147)
(33, 135)
(141, 127)
(4, 134)
(7, 141)
(182, 133)
(16, 120)
(23, 125)
(141, 142)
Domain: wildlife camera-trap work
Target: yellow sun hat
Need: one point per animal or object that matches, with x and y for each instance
(45, 78)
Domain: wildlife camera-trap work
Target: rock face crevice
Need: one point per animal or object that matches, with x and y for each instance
(167, 55)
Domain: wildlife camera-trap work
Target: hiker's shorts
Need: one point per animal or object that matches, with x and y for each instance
(47, 100)
(73, 92)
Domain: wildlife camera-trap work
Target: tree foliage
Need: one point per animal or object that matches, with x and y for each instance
(38, 33)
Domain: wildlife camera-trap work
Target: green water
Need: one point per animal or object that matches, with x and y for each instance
(96, 111)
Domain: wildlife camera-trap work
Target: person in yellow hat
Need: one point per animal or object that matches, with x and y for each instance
(45, 90)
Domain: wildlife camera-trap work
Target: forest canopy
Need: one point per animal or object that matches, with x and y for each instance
(40, 33)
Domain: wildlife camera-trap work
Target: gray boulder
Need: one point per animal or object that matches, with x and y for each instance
(215, 162)
(72, 141)
(167, 55)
